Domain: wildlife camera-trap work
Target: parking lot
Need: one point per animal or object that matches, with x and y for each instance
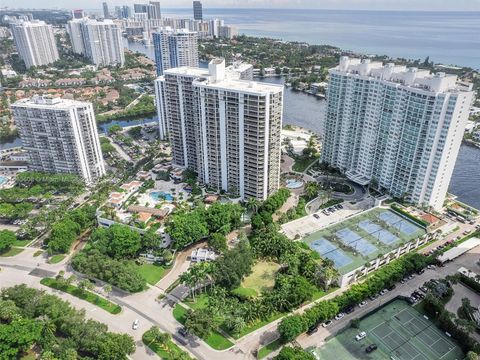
(314, 222)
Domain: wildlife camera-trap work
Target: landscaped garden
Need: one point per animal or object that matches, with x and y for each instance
(81, 291)
(40, 325)
(261, 279)
(162, 345)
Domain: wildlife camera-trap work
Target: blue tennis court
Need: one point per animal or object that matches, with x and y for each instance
(399, 223)
(378, 232)
(352, 239)
(326, 249)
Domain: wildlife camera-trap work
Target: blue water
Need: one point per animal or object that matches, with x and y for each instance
(159, 195)
(126, 122)
(447, 37)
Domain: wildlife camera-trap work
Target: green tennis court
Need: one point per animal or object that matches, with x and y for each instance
(400, 332)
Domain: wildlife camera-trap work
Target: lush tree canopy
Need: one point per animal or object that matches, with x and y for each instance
(31, 317)
(7, 238)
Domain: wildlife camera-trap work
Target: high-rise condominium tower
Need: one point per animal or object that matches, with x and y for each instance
(197, 10)
(106, 13)
(35, 42)
(101, 41)
(396, 128)
(60, 136)
(226, 129)
(175, 48)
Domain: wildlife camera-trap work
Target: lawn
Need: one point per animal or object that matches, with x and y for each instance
(55, 259)
(21, 243)
(215, 340)
(302, 163)
(267, 349)
(168, 352)
(261, 279)
(11, 252)
(83, 294)
(152, 273)
(38, 253)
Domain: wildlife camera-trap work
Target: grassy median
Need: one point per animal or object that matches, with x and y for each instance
(82, 294)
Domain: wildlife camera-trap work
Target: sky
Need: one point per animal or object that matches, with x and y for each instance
(439, 5)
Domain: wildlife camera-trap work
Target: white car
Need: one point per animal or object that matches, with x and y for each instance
(339, 316)
(362, 304)
(135, 324)
(326, 323)
(361, 336)
(383, 292)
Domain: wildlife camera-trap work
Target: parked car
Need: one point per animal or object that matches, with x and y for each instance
(135, 324)
(183, 332)
(316, 216)
(391, 287)
(411, 276)
(373, 297)
(349, 309)
(326, 323)
(361, 336)
(371, 348)
(383, 292)
(424, 289)
(421, 271)
(339, 316)
(312, 329)
(431, 267)
(362, 304)
(404, 280)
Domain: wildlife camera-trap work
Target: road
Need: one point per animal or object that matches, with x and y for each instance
(468, 260)
(146, 307)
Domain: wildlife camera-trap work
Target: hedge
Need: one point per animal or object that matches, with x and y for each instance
(292, 326)
(410, 216)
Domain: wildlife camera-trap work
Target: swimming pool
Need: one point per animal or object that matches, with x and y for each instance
(160, 195)
(3, 180)
(294, 184)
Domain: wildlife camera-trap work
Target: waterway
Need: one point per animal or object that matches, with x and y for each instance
(307, 111)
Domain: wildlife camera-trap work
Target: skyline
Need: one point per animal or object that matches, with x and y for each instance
(401, 5)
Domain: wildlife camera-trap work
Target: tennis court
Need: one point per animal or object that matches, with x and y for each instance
(353, 240)
(361, 238)
(378, 232)
(398, 223)
(326, 249)
(400, 332)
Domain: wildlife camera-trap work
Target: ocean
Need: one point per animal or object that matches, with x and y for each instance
(446, 37)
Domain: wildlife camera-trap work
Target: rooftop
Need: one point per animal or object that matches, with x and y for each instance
(400, 74)
(41, 102)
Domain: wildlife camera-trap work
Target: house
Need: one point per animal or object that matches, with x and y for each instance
(202, 255)
(131, 186)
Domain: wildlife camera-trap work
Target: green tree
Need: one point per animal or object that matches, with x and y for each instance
(218, 242)
(7, 239)
(18, 336)
(294, 353)
(200, 322)
(233, 265)
(186, 228)
(114, 129)
(290, 327)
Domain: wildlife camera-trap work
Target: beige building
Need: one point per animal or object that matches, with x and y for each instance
(226, 129)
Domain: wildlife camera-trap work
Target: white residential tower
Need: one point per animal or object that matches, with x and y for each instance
(60, 136)
(397, 128)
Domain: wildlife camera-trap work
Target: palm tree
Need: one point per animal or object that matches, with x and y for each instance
(108, 289)
(252, 204)
(311, 189)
